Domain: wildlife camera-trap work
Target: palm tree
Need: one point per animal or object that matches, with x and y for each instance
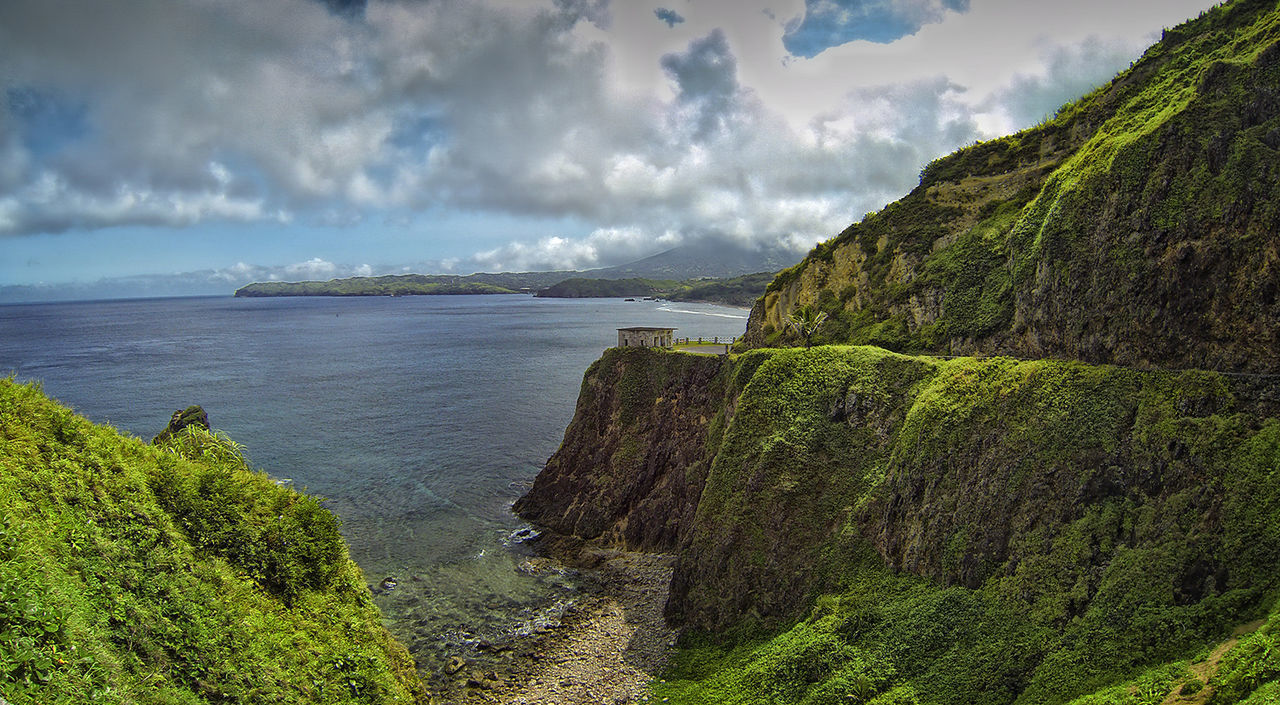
(805, 321)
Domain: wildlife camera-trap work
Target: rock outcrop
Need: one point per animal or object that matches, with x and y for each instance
(634, 458)
(190, 416)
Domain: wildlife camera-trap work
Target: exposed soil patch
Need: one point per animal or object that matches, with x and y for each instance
(1208, 668)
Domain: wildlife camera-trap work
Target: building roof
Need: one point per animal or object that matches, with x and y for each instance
(639, 329)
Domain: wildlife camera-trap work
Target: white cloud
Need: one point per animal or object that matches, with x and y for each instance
(650, 132)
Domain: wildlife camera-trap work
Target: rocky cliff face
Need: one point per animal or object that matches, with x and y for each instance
(635, 456)
(1141, 226)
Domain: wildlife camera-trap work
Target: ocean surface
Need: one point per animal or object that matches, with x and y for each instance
(420, 419)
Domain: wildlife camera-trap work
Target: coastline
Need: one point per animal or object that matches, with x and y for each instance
(607, 648)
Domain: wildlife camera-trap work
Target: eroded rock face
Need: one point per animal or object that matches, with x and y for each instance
(191, 416)
(633, 459)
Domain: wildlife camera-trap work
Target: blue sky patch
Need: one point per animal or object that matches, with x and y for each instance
(830, 23)
(46, 121)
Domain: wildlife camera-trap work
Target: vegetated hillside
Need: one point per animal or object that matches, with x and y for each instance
(945, 531)
(1140, 226)
(710, 257)
(132, 573)
(584, 288)
(389, 285)
(678, 272)
(738, 291)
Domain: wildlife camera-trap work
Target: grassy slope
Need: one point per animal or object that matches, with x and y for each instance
(1051, 529)
(1079, 237)
(136, 574)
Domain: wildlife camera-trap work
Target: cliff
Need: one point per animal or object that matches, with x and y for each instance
(636, 454)
(1068, 502)
(132, 573)
(1140, 226)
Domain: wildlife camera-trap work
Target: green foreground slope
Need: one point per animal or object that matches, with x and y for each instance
(139, 574)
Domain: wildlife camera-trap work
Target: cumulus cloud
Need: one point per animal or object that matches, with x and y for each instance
(706, 83)
(603, 247)
(1067, 72)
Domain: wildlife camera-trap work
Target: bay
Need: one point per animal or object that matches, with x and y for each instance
(419, 419)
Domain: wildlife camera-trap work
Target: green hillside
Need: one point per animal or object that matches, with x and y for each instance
(132, 573)
(1140, 225)
(389, 285)
(851, 521)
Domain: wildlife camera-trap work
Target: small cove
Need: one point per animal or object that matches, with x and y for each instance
(419, 419)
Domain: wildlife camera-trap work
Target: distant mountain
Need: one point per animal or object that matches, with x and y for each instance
(707, 258)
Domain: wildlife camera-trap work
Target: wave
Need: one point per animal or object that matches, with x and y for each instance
(668, 309)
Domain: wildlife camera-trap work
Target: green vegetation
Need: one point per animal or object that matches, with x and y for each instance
(805, 321)
(881, 528)
(582, 288)
(390, 285)
(132, 573)
(877, 527)
(738, 291)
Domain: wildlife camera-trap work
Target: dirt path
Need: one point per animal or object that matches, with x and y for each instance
(1208, 668)
(606, 651)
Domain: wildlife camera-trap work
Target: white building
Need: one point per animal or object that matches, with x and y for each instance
(642, 337)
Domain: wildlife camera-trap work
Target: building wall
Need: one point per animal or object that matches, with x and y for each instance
(646, 338)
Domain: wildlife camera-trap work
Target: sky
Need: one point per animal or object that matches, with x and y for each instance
(192, 146)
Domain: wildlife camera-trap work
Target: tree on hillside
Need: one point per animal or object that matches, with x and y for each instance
(805, 322)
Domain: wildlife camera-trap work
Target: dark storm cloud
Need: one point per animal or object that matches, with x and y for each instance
(671, 17)
(706, 77)
(830, 23)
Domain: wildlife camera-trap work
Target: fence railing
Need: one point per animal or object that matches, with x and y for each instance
(717, 340)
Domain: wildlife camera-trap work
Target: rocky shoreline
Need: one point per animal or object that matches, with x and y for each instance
(609, 645)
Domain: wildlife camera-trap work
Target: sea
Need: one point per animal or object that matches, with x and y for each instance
(419, 419)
